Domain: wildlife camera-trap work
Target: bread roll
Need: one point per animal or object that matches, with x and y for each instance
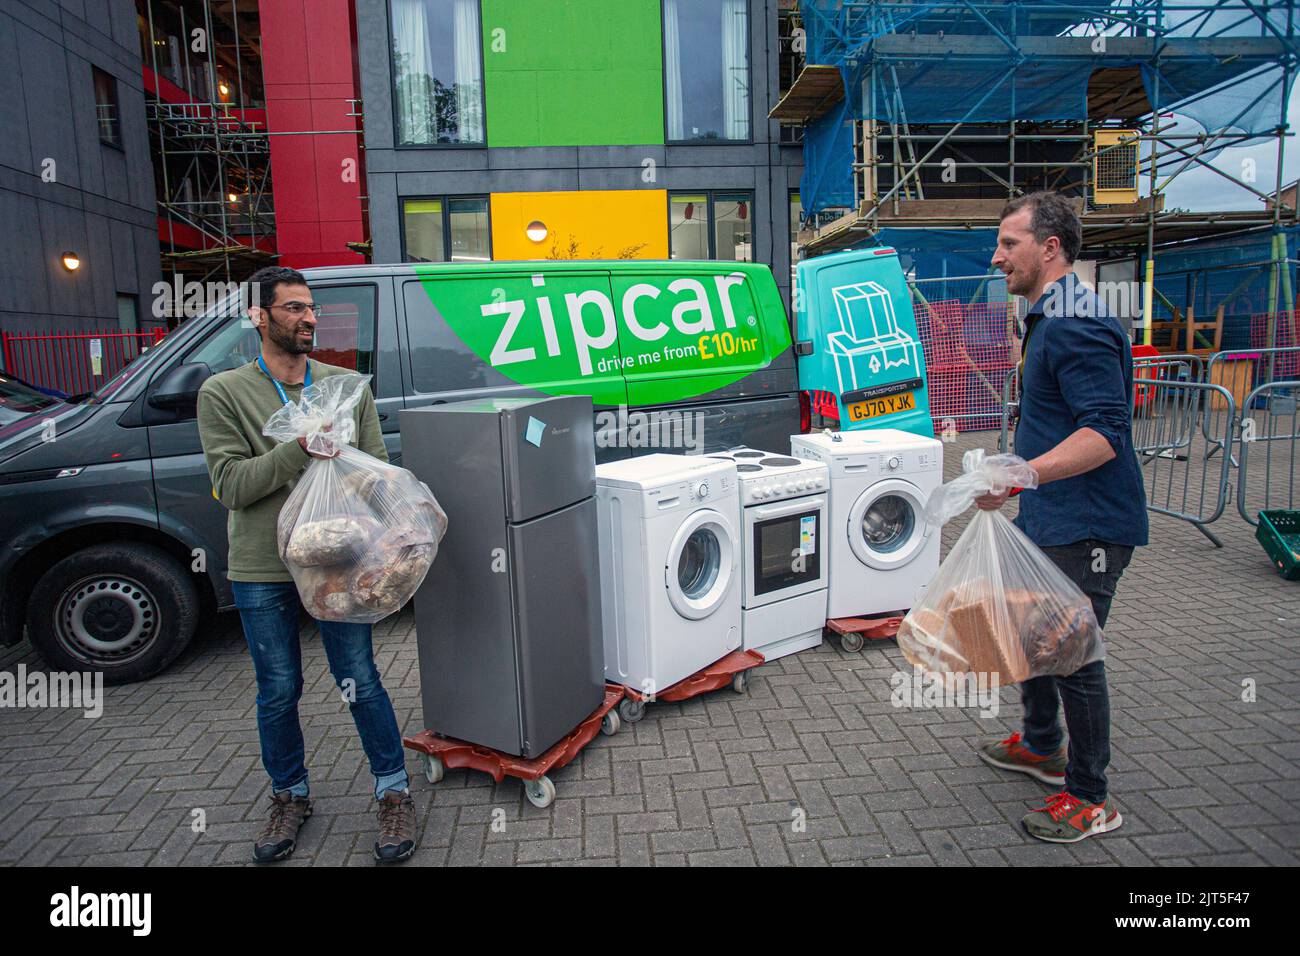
(327, 592)
(329, 540)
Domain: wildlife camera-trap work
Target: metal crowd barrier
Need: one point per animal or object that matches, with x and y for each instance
(1180, 482)
(1185, 412)
(1268, 419)
(1269, 365)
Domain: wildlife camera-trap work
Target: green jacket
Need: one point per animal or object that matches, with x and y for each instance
(252, 474)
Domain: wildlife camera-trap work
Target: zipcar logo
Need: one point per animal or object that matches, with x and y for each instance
(76, 909)
(694, 302)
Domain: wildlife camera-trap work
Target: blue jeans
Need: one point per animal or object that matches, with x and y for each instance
(269, 612)
(1083, 694)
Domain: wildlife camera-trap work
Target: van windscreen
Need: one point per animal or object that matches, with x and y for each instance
(18, 400)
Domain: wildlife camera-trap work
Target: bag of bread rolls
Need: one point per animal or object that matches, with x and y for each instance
(357, 534)
(998, 605)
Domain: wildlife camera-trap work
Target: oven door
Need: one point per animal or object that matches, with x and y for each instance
(785, 549)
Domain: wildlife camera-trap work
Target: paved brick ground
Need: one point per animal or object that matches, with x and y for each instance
(1202, 777)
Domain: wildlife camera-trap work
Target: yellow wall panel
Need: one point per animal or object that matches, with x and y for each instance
(588, 224)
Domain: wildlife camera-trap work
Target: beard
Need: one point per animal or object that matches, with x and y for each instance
(1022, 283)
(286, 338)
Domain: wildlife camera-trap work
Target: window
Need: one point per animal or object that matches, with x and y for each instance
(345, 333)
(128, 318)
(791, 41)
(431, 227)
(706, 69)
(345, 327)
(440, 361)
(733, 227)
(711, 226)
(796, 213)
(106, 114)
(437, 72)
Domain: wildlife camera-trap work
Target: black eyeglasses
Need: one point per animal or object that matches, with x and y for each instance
(298, 308)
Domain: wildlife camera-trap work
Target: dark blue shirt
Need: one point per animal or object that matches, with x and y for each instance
(1078, 373)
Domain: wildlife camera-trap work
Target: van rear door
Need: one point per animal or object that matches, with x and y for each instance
(863, 348)
(515, 331)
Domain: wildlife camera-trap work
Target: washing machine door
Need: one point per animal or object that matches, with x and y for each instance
(887, 526)
(700, 564)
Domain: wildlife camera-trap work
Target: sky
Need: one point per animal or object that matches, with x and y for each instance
(1200, 189)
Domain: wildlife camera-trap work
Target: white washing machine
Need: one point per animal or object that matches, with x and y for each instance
(883, 553)
(669, 555)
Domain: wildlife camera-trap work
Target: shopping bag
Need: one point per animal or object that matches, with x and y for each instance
(357, 534)
(998, 604)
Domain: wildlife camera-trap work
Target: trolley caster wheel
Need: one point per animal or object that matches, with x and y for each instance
(852, 641)
(540, 792)
(433, 768)
(740, 683)
(610, 724)
(631, 710)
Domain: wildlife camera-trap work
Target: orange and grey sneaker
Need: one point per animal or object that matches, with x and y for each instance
(1064, 818)
(1012, 754)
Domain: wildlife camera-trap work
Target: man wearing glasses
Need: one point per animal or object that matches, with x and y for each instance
(252, 476)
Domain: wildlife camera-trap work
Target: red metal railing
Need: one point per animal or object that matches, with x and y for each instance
(65, 360)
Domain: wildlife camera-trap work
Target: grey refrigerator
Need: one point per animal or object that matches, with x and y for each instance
(508, 619)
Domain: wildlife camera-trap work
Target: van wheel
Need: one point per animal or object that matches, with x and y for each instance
(127, 610)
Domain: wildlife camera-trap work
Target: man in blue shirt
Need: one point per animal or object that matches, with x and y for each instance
(1089, 510)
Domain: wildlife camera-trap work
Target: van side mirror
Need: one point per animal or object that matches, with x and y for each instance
(179, 388)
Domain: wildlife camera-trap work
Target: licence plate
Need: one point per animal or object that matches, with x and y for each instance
(886, 405)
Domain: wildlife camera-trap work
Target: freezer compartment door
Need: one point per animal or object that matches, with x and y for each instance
(549, 455)
(557, 622)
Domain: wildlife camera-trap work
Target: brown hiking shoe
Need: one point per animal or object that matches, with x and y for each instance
(280, 835)
(396, 827)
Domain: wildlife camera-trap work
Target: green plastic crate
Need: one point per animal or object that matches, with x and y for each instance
(1279, 533)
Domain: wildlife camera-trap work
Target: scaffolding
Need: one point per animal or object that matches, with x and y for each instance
(926, 117)
(208, 136)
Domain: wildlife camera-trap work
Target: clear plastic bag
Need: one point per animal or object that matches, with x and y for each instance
(998, 604)
(357, 534)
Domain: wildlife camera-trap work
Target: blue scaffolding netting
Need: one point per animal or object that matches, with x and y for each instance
(1226, 64)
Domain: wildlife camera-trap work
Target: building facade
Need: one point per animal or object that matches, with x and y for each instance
(76, 183)
(575, 129)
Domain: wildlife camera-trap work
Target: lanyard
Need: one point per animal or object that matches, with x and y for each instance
(261, 363)
(1024, 347)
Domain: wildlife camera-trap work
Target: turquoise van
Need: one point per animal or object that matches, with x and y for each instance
(859, 352)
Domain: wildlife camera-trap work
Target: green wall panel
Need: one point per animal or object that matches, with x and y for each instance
(573, 72)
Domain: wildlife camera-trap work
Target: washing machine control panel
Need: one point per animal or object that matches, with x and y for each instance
(707, 489)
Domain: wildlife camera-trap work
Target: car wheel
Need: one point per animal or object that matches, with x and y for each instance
(126, 610)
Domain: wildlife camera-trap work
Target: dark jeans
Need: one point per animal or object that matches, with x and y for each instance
(269, 612)
(1083, 693)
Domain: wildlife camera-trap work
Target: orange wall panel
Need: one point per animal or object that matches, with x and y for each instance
(584, 224)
